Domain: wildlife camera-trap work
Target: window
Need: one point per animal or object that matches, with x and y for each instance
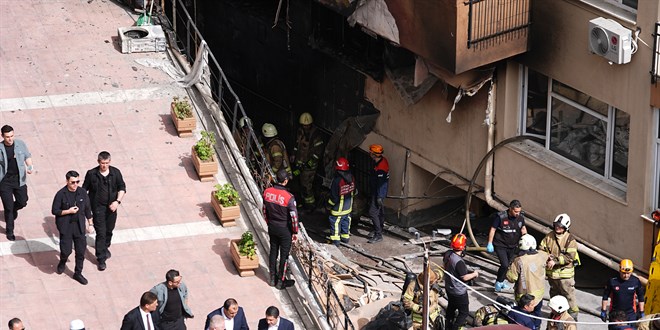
(579, 127)
(626, 4)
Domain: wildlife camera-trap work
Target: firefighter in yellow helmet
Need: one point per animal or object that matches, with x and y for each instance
(275, 149)
(413, 299)
(626, 293)
(306, 157)
(562, 251)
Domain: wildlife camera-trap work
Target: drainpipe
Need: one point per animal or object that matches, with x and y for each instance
(592, 251)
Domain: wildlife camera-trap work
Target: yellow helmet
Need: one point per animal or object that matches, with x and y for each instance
(269, 130)
(626, 266)
(306, 119)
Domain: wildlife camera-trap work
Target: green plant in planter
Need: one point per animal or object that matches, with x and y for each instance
(226, 195)
(182, 107)
(246, 246)
(204, 147)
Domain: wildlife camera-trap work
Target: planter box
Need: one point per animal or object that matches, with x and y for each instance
(244, 265)
(227, 215)
(205, 169)
(184, 127)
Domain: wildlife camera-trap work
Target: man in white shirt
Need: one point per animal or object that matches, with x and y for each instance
(273, 321)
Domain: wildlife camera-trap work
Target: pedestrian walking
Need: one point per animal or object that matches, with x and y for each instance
(281, 216)
(378, 180)
(273, 321)
(15, 164)
(562, 251)
(143, 317)
(342, 190)
(457, 295)
(306, 157)
(73, 218)
(527, 272)
(507, 228)
(173, 305)
(625, 293)
(559, 311)
(106, 188)
(233, 315)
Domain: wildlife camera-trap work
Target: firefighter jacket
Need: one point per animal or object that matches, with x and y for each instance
(413, 299)
(527, 271)
(379, 178)
(453, 266)
(342, 190)
(563, 250)
(562, 326)
(280, 208)
(277, 155)
(308, 149)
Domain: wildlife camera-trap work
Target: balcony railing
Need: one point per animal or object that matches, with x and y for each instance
(492, 22)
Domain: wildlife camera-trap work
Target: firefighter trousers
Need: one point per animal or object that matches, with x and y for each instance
(566, 288)
(307, 184)
(340, 228)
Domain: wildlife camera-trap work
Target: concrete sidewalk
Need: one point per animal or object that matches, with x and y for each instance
(70, 93)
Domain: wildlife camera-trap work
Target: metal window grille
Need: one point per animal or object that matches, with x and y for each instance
(492, 22)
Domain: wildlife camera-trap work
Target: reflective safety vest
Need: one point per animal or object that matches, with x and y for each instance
(563, 250)
(342, 190)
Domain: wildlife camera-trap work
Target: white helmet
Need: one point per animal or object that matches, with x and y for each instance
(558, 304)
(527, 242)
(563, 220)
(245, 121)
(269, 130)
(77, 325)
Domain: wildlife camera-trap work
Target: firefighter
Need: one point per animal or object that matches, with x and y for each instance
(275, 150)
(457, 296)
(342, 190)
(527, 272)
(563, 255)
(626, 292)
(306, 156)
(414, 298)
(281, 215)
(242, 134)
(378, 180)
(560, 310)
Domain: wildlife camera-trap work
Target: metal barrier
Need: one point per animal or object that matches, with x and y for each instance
(493, 21)
(304, 252)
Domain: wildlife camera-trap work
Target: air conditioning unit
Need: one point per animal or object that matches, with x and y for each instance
(610, 40)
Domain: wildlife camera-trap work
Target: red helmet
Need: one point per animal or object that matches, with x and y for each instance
(458, 242)
(341, 164)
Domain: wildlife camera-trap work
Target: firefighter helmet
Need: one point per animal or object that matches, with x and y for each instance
(458, 242)
(433, 277)
(376, 149)
(527, 242)
(306, 119)
(341, 164)
(245, 121)
(269, 130)
(563, 220)
(626, 266)
(558, 304)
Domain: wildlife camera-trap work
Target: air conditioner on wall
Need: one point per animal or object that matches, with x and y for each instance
(610, 40)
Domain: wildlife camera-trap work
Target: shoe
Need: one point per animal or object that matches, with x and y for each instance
(11, 237)
(102, 266)
(108, 254)
(345, 240)
(273, 280)
(285, 284)
(499, 286)
(371, 234)
(60, 267)
(505, 286)
(80, 278)
(375, 239)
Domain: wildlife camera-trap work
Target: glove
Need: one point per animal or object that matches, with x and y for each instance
(379, 202)
(490, 248)
(603, 315)
(640, 315)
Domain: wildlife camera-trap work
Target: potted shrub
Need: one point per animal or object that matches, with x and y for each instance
(244, 254)
(203, 156)
(182, 116)
(224, 200)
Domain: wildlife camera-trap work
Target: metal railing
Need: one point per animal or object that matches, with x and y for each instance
(188, 40)
(491, 22)
(655, 67)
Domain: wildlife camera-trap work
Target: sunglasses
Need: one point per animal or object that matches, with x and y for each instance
(76, 182)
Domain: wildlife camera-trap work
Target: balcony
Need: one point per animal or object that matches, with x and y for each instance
(458, 35)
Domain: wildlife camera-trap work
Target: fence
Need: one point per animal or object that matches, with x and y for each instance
(495, 21)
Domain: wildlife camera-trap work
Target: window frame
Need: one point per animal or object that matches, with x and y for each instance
(655, 195)
(610, 121)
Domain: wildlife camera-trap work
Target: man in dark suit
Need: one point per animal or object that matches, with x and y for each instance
(233, 315)
(273, 321)
(143, 317)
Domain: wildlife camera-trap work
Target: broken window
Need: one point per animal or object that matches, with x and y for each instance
(577, 126)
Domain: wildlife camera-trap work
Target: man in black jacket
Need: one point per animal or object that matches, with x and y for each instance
(143, 317)
(106, 188)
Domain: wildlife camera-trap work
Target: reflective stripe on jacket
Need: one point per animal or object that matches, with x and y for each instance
(527, 271)
(564, 250)
(342, 190)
